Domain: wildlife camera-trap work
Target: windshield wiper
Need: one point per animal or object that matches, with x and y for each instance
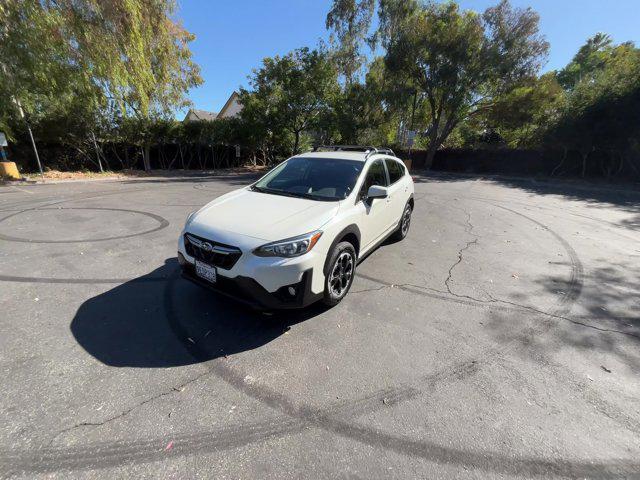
(276, 191)
(319, 198)
(285, 193)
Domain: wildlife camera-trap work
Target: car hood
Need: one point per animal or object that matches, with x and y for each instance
(262, 216)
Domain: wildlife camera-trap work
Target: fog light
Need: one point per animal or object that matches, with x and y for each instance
(292, 291)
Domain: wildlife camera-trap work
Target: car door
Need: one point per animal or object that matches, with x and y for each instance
(374, 220)
(398, 190)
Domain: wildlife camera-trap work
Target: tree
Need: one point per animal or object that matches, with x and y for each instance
(461, 62)
(293, 91)
(381, 97)
(520, 115)
(349, 21)
(360, 112)
(590, 58)
(131, 53)
(602, 110)
(112, 54)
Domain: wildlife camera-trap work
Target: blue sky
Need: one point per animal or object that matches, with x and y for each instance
(233, 36)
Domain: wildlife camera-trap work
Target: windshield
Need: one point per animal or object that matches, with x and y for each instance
(314, 178)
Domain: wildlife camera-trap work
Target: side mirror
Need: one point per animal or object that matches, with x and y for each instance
(376, 191)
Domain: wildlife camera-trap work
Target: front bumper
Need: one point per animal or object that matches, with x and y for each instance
(249, 292)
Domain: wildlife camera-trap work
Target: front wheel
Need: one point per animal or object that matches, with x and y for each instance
(405, 223)
(339, 277)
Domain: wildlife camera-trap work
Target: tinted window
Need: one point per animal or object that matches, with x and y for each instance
(396, 171)
(314, 178)
(375, 176)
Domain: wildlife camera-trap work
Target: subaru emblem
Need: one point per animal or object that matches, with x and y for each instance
(207, 247)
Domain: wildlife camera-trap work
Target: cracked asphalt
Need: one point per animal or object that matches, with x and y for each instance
(501, 339)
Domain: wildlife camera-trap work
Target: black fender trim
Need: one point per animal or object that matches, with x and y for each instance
(409, 200)
(353, 228)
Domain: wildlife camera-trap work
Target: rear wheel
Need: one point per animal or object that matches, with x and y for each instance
(339, 277)
(405, 223)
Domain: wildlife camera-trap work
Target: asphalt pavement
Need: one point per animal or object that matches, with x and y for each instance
(500, 339)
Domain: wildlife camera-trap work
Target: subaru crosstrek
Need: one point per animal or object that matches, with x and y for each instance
(295, 236)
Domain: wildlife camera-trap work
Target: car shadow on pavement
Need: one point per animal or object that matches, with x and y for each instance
(160, 320)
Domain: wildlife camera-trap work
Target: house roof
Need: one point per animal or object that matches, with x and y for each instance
(232, 97)
(200, 115)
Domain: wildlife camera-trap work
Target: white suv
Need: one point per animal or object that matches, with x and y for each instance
(296, 235)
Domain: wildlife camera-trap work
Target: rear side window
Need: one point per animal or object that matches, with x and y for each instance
(375, 176)
(396, 171)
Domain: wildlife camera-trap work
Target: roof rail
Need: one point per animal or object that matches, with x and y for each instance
(344, 148)
(384, 150)
(369, 150)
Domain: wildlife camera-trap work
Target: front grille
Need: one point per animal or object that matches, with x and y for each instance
(214, 253)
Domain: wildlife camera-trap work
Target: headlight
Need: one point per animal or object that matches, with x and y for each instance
(289, 247)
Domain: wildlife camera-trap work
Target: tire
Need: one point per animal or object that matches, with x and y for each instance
(339, 277)
(403, 224)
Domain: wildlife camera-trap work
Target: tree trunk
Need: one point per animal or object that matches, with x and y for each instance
(225, 158)
(146, 154)
(295, 145)
(126, 157)
(173, 160)
(191, 147)
(621, 164)
(564, 157)
(431, 153)
(115, 152)
(584, 163)
(181, 155)
(200, 157)
(95, 145)
(631, 164)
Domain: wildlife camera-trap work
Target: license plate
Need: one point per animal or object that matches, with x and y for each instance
(205, 271)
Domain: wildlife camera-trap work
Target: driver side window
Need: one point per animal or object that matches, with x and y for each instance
(375, 176)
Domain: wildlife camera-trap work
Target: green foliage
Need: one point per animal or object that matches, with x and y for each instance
(75, 66)
(290, 93)
(360, 113)
(590, 105)
(522, 113)
(602, 111)
(460, 63)
(349, 21)
(589, 60)
(100, 79)
(129, 53)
